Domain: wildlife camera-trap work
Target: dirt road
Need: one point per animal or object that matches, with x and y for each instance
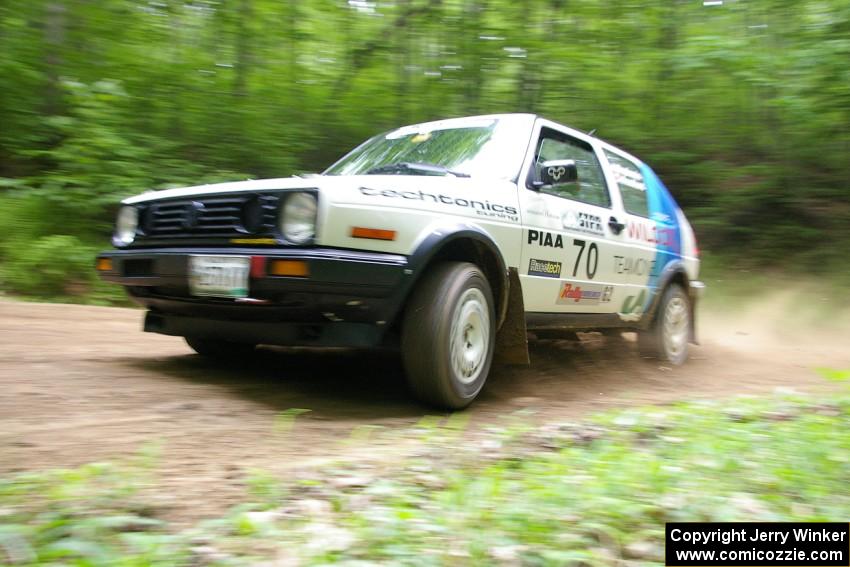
(81, 384)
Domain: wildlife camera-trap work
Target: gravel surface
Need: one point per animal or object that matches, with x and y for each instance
(81, 384)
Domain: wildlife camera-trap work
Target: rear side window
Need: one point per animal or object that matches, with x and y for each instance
(630, 181)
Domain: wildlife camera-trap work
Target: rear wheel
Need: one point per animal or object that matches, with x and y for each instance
(667, 339)
(448, 335)
(217, 348)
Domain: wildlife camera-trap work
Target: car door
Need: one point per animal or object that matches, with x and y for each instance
(643, 235)
(568, 246)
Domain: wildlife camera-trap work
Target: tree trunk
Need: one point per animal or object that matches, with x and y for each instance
(473, 73)
(243, 48)
(54, 41)
(403, 68)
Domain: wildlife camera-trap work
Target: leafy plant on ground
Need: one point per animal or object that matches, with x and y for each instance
(590, 493)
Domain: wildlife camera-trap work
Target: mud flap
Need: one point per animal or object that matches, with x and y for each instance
(697, 290)
(511, 340)
(692, 332)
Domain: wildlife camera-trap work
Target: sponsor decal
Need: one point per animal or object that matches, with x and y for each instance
(633, 266)
(663, 237)
(545, 268)
(632, 308)
(557, 172)
(628, 177)
(253, 241)
(606, 294)
(448, 124)
(541, 213)
(482, 208)
(582, 222)
(543, 238)
(669, 237)
(571, 293)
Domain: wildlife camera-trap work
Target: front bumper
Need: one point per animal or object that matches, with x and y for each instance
(349, 297)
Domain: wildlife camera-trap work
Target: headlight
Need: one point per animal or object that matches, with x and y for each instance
(125, 225)
(298, 218)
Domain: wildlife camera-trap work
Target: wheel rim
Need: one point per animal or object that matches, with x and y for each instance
(470, 336)
(676, 327)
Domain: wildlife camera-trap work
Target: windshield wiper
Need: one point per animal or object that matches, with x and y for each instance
(402, 166)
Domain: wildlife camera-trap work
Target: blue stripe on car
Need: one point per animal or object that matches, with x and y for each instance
(663, 211)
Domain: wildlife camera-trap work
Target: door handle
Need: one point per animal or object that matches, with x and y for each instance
(616, 227)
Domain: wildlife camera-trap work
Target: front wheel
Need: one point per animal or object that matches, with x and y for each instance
(667, 338)
(448, 335)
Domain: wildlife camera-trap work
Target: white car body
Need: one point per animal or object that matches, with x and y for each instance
(580, 264)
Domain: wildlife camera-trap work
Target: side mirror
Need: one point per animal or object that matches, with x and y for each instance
(556, 172)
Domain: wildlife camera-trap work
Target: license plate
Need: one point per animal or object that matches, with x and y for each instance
(219, 276)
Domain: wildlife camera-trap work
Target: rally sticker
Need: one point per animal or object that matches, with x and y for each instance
(582, 222)
(545, 268)
(584, 294)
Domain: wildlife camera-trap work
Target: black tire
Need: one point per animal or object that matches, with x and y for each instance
(449, 293)
(220, 349)
(667, 338)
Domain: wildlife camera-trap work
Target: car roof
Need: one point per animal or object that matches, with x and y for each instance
(527, 115)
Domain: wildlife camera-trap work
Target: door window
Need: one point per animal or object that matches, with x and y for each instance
(590, 186)
(631, 184)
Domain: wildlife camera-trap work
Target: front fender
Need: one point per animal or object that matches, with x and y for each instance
(452, 241)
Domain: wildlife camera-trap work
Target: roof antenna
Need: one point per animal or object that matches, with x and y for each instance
(592, 132)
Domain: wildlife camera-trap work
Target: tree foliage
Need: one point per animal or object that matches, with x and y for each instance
(744, 108)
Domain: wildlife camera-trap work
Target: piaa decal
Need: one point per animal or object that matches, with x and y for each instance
(543, 238)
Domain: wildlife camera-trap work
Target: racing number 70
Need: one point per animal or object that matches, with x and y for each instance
(592, 252)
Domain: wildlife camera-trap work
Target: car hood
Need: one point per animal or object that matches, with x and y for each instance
(339, 188)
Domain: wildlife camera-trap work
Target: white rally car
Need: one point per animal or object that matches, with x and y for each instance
(448, 239)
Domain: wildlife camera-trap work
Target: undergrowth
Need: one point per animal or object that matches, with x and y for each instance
(590, 493)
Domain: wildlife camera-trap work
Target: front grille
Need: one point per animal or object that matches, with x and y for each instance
(211, 216)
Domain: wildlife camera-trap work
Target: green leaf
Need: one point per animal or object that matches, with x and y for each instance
(834, 375)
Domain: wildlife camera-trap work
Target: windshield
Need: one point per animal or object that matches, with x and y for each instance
(463, 147)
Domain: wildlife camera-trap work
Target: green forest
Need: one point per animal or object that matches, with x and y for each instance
(742, 106)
